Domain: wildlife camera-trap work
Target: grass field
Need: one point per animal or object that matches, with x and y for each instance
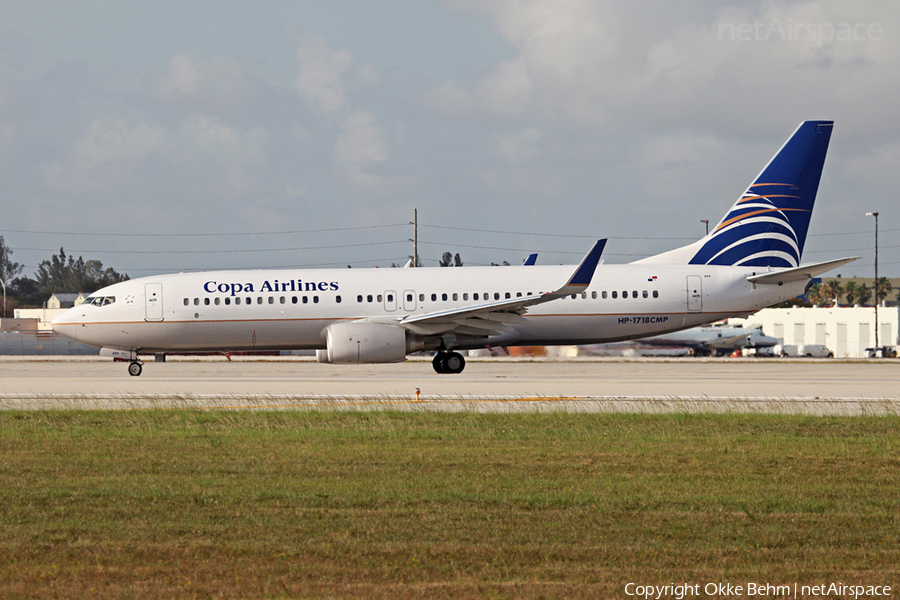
(431, 505)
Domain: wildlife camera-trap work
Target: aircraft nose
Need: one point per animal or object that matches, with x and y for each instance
(65, 322)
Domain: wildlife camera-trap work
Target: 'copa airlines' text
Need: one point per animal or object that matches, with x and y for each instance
(294, 285)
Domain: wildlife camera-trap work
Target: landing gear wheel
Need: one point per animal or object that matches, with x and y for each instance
(454, 363)
(438, 363)
(134, 369)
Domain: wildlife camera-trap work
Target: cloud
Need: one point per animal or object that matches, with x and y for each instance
(361, 154)
(115, 158)
(359, 146)
(322, 68)
(218, 81)
(517, 148)
(600, 65)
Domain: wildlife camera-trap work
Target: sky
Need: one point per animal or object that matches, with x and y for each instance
(172, 136)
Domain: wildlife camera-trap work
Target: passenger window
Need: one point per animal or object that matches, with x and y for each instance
(518, 294)
(434, 297)
(508, 295)
(359, 298)
(281, 300)
(369, 298)
(409, 297)
(196, 301)
(496, 296)
(227, 301)
(455, 297)
(421, 297)
(465, 297)
(206, 301)
(216, 301)
(294, 300)
(475, 296)
(186, 302)
(655, 294)
(573, 296)
(337, 299)
(379, 298)
(315, 299)
(593, 295)
(603, 294)
(444, 297)
(390, 297)
(624, 294)
(237, 300)
(645, 294)
(615, 295)
(584, 295)
(271, 299)
(634, 294)
(305, 300)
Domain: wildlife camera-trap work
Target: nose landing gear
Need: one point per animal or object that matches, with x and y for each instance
(448, 362)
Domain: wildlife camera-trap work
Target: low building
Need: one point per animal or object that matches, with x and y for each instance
(846, 331)
(64, 300)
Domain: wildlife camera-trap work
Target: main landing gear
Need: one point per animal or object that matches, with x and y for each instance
(448, 362)
(135, 368)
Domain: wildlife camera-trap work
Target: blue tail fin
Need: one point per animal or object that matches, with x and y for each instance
(767, 225)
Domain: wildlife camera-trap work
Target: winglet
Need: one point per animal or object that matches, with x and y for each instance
(585, 271)
(530, 261)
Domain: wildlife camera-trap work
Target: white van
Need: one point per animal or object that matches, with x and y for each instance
(815, 351)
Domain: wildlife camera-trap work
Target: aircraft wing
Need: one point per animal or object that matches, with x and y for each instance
(498, 316)
(801, 273)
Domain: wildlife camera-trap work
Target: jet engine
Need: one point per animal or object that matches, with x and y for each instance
(360, 342)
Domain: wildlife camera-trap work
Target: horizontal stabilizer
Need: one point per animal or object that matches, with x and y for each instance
(801, 273)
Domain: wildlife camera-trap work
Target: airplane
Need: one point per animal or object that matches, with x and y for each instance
(749, 261)
(713, 341)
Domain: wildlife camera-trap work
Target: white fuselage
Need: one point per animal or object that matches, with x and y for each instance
(291, 309)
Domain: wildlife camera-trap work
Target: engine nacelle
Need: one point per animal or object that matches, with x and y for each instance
(356, 343)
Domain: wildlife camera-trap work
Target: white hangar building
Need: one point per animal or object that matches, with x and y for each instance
(846, 331)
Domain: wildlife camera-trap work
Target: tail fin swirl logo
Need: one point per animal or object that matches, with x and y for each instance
(767, 226)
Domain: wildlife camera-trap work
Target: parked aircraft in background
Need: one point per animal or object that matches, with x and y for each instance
(712, 341)
(749, 261)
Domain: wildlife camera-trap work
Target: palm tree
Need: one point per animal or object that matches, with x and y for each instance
(883, 287)
(833, 290)
(850, 291)
(862, 295)
(814, 294)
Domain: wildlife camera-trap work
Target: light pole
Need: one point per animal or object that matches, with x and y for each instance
(875, 214)
(4, 297)
(705, 222)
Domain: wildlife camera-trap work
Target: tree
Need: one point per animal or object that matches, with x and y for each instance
(448, 260)
(833, 290)
(66, 274)
(814, 294)
(8, 268)
(883, 288)
(851, 291)
(863, 294)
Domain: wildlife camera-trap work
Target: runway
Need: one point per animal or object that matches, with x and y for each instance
(597, 385)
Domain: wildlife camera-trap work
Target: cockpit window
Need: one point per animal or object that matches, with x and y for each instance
(100, 300)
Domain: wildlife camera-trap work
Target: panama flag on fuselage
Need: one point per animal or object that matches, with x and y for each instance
(767, 226)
